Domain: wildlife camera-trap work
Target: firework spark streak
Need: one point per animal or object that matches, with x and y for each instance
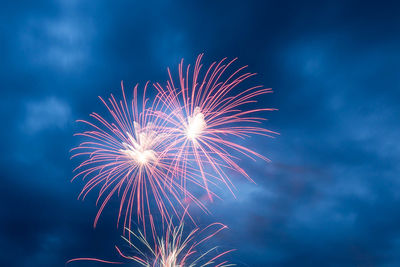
(129, 157)
(204, 111)
(174, 248)
(177, 249)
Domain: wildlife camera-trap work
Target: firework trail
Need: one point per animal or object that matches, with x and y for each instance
(174, 248)
(129, 156)
(204, 112)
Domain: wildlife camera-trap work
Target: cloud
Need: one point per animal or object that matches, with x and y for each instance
(62, 42)
(50, 113)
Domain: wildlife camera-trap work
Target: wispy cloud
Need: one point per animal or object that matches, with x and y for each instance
(45, 114)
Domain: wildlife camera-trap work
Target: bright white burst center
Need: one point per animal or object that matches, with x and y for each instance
(196, 124)
(168, 257)
(139, 149)
(171, 260)
(139, 155)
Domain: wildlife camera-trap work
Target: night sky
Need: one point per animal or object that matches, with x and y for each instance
(330, 196)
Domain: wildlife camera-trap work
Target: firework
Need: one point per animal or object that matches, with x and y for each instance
(174, 248)
(204, 112)
(129, 157)
(177, 249)
(149, 151)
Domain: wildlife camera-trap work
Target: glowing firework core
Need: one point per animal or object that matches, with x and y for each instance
(196, 124)
(140, 149)
(171, 259)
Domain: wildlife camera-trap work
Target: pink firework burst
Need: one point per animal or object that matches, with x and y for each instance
(149, 151)
(205, 110)
(129, 156)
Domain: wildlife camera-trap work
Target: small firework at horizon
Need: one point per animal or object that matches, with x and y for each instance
(175, 247)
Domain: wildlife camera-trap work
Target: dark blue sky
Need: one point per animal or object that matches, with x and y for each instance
(330, 197)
